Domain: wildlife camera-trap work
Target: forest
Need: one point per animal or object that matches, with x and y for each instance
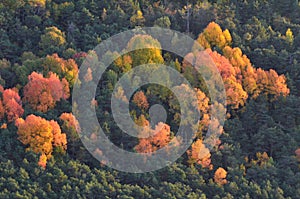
(255, 46)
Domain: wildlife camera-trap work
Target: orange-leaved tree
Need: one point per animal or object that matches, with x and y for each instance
(220, 176)
(70, 126)
(160, 137)
(42, 93)
(246, 78)
(231, 75)
(40, 136)
(232, 78)
(140, 100)
(200, 154)
(70, 123)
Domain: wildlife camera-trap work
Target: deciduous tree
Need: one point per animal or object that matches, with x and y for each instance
(11, 105)
(220, 176)
(67, 69)
(140, 100)
(200, 154)
(160, 139)
(150, 51)
(42, 93)
(41, 136)
(40, 3)
(214, 36)
(70, 126)
(36, 133)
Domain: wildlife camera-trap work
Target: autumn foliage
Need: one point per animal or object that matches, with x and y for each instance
(59, 139)
(40, 136)
(214, 36)
(53, 36)
(236, 95)
(70, 121)
(42, 93)
(2, 110)
(240, 78)
(160, 138)
(297, 152)
(10, 105)
(140, 100)
(220, 176)
(67, 69)
(200, 154)
(43, 161)
(144, 50)
(36, 3)
(70, 125)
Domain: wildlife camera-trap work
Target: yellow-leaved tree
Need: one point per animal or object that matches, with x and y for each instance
(41, 136)
(148, 50)
(214, 36)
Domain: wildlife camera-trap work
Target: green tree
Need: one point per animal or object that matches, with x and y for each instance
(52, 40)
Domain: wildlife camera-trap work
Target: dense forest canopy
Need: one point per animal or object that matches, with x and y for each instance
(253, 44)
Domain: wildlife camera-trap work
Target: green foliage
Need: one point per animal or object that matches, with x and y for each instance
(261, 135)
(163, 22)
(52, 40)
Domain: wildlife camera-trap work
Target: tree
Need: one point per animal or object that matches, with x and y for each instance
(89, 75)
(214, 36)
(220, 176)
(42, 161)
(71, 127)
(236, 57)
(203, 107)
(63, 12)
(137, 19)
(236, 95)
(2, 110)
(52, 40)
(41, 136)
(140, 100)
(70, 122)
(123, 63)
(67, 69)
(200, 154)
(59, 138)
(12, 5)
(160, 139)
(289, 36)
(11, 105)
(163, 22)
(42, 93)
(36, 133)
(297, 152)
(150, 51)
(37, 3)
(256, 81)
(271, 84)
(232, 77)
(240, 77)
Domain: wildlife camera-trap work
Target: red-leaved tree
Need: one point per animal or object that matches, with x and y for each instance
(10, 105)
